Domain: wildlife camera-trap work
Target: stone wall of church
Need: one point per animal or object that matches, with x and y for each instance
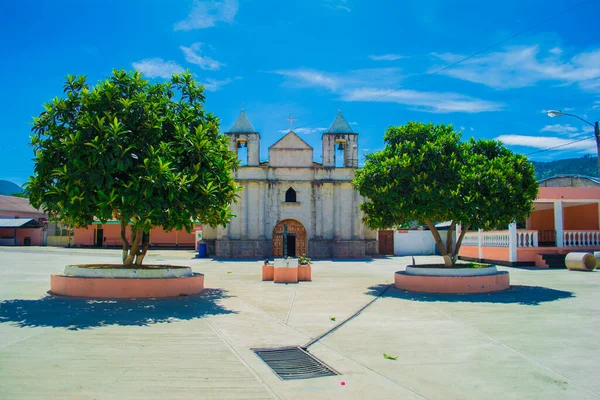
(326, 205)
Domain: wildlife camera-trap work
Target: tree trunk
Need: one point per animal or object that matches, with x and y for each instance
(124, 240)
(440, 244)
(140, 256)
(449, 241)
(459, 243)
(136, 238)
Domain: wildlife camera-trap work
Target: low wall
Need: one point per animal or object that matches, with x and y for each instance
(58, 241)
(417, 243)
(243, 249)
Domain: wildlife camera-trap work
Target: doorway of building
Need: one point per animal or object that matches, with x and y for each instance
(294, 234)
(99, 237)
(386, 243)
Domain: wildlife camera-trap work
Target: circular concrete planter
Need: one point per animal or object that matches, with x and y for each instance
(452, 280)
(432, 271)
(118, 282)
(118, 271)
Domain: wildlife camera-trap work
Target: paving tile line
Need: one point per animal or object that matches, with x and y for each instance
(356, 314)
(229, 345)
(526, 357)
(289, 314)
(317, 340)
(375, 372)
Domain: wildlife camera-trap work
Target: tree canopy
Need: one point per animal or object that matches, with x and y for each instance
(145, 154)
(427, 174)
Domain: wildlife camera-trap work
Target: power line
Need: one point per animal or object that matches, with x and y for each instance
(424, 76)
(560, 145)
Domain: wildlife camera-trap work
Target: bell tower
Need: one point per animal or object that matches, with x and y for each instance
(339, 141)
(242, 135)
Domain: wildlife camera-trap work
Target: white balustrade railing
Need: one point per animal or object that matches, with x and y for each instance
(495, 239)
(501, 239)
(581, 238)
(470, 239)
(527, 238)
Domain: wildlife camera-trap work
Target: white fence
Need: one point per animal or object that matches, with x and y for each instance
(501, 239)
(581, 238)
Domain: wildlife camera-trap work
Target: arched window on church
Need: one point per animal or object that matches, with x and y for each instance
(290, 196)
(242, 152)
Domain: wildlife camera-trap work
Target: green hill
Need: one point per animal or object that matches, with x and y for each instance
(586, 165)
(8, 188)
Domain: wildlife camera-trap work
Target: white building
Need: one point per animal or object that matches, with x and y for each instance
(314, 202)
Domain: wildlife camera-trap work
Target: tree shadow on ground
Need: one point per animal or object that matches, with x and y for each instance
(516, 294)
(78, 313)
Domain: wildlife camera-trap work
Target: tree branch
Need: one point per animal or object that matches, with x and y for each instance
(440, 243)
(449, 244)
(459, 242)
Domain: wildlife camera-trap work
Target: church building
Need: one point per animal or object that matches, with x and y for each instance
(292, 202)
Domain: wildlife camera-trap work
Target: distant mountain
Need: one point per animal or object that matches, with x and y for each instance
(8, 188)
(586, 165)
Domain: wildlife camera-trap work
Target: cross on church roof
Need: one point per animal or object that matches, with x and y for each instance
(291, 120)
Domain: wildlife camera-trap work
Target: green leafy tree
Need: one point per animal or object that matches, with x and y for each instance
(145, 154)
(426, 174)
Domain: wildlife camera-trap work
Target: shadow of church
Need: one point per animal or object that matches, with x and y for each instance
(78, 313)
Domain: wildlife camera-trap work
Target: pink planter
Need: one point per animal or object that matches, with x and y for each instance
(268, 272)
(285, 275)
(125, 288)
(452, 284)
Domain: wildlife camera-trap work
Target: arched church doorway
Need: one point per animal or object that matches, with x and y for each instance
(292, 233)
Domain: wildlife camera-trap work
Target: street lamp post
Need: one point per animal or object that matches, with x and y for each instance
(558, 113)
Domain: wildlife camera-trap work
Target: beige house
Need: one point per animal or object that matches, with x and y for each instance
(291, 202)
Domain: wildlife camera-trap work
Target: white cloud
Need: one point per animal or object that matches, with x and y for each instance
(596, 105)
(353, 123)
(559, 128)
(207, 13)
(587, 146)
(157, 68)
(337, 5)
(374, 85)
(386, 57)
(304, 131)
(193, 55)
(435, 102)
(567, 130)
(524, 66)
(212, 85)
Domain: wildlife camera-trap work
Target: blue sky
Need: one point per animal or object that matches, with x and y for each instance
(313, 57)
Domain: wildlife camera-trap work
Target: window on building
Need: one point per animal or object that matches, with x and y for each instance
(290, 196)
(340, 149)
(242, 152)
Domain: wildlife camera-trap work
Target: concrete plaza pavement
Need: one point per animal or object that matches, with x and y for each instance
(538, 340)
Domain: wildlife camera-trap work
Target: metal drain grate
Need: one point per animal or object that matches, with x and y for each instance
(294, 363)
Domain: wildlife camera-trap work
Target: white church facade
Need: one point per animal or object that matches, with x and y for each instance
(292, 202)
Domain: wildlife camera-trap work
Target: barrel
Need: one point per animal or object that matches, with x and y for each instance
(579, 261)
(202, 250)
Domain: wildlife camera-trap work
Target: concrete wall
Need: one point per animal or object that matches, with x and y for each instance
(417, 243)
(582, 217)
(35, 234)
(542, 220)
(112, 236)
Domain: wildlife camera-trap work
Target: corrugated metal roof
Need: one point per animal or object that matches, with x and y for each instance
(591, 178)
(242, 124)
(17, 222)
(17, 204)
(339, 125)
